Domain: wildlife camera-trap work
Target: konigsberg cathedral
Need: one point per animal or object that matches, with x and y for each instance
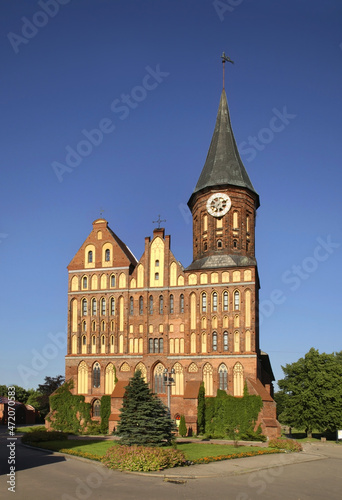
(153, 314)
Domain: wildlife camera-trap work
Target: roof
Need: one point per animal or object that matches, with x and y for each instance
(215, 261)
(260, 389)
(223, 165)
(266, 364)
(191, 389)
(119, 389)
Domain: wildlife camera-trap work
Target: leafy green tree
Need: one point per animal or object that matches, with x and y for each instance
(281, 398)
(182, 427)
(44, 391)
(144, 419)
(314, 392)
(201, 410)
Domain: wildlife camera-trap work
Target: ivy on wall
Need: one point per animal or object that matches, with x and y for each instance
(105, 413)
(68, 412)
(228, 416)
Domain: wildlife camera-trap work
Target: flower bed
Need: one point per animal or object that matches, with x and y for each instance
(285, 444)
(142, 458)
(207, 460)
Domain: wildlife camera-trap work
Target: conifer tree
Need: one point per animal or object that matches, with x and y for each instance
(182, 427)
(201, 410)
(144, 419)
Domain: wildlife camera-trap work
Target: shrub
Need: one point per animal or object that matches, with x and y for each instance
(285, 444)
(41, 436)
(182, 427)
(142, 458)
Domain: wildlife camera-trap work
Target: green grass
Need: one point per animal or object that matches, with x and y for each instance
(30, 429)
(192, 451)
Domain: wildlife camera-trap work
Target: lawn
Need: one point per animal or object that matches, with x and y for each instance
(192, 451)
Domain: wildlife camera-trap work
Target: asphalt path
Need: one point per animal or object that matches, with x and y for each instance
(313, 474)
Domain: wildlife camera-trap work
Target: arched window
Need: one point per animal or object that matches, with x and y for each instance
(161, 344)
(157, 263)
(103, 306)
(109, 378)
(112, 306)
(161, 304)
(236, 342)
(93, 344)
(112, 281)
(159, 386)
(96, 375)
(171, 304)
(225, 341)
(141, 305)
(181, 303)
(225, 300)
(214, 304)
(93, 326)
(235, 244)
(238, 379)
(178, 387)
(93, 307)
(236, 300)
(223, 377)
(84, 344)
(208, 379)
(156, 276)
(151, 305)
(82, 378)
(90, 256)
(107, 255)
(214, 341)
(140, 366)
(97, 408)
(84, 307)
(150, 345)
(85, 282)
(219, 243)
(131, 306)
(204, 302)
(84, 326)
(193, 343)
(205, 246)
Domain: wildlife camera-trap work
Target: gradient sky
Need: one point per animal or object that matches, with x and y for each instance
(72, 74)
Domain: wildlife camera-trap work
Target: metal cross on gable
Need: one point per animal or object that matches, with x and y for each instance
(158, 221)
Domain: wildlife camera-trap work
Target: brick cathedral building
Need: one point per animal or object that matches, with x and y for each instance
(153, 314)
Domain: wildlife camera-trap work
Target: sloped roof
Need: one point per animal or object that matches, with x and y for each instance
(260, 389)
(223, 165)
(191, 389)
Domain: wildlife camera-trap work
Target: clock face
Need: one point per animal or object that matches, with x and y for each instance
(218, 204)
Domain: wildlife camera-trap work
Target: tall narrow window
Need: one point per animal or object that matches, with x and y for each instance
(157, 263)
(107, 255)
(181, 303)
(204, 302)
(84, 307)
(96, 375)
(161, 345)
(84, 326)
(225, 341)
(93, 307)
(151, 305)
(214, 341)
(171, 304)
(150, 345)
(112, 306)
(236, 300)
(90, 256)
(225, 300)
(103, 306)
(219, 243)
(156, 276)
(156, 345)
(161, 305)
(131, 306)
(159, 386)
(223, 377)
(112, 281)
(215, 301)
(85, 282)
(141, 305)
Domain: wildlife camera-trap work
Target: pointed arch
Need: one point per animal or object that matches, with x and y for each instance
(140, 366)
(238, 379)
(208, 379)
(109, 378)
(223, 377)
(178, 388)
(82, 378)
(158, 377)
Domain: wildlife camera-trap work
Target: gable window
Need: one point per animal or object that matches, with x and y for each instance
(112, 281)
(107, 255)
(85, 282)
(90, 256)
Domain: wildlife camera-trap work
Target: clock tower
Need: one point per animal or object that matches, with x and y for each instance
(224, 203)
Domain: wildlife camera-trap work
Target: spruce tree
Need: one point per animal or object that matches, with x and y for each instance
(182, 427)
(144, 419)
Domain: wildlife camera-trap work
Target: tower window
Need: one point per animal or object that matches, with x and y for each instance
(171, 304)
(234, 244)
(236, 300)
(225, 301)
(96, 375)
(157, 263)
(161, 305)
(225, 341)
(156, 276)
(141, 305)
(151, 305)
(131, 306)
(93, 307)
(205, 246)
(204, 302)
(84, 307)
(214, 341)
(215, 301)
(107, 255)
(219, 243)
(103, 307)
(112, 306)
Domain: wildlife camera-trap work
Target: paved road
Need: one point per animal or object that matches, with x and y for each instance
(40, 475)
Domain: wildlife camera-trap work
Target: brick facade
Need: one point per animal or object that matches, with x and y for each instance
(153, 314)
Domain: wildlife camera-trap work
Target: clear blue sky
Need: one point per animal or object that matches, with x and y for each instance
(72, 74)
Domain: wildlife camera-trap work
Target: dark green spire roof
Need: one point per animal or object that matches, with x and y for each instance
(223, 165)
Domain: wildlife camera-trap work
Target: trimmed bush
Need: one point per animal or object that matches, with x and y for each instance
(142, 458)
(41, 436)
(285, 444)
(182, 427)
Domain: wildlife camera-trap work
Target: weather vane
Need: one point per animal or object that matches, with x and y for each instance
(224, 59)
(158, 221)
